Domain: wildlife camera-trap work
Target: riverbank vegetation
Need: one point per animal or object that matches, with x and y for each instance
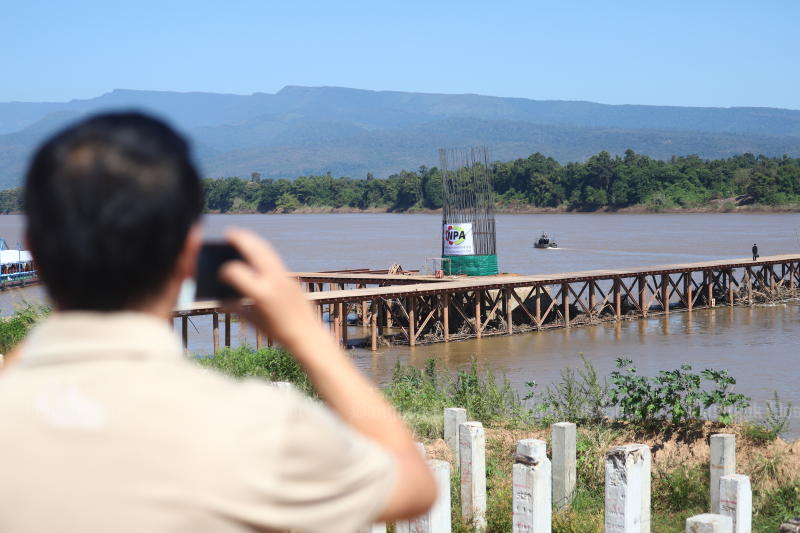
(603, 182)
(15, 327)
(674, 412)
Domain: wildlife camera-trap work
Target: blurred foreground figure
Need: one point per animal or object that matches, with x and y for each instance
(107, 427)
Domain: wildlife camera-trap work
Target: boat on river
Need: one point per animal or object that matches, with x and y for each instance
(16, 266)
(545, 242)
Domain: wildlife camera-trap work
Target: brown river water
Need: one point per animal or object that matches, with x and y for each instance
(758, 345)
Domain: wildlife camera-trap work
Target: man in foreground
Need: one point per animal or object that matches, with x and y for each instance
(107, 427)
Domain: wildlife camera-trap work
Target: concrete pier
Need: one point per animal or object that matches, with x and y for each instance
(709, 523)
(439, 516)
(564, 459)
(374, 528)
(736, 501)
(722, 463)
(626, 470)
(453, 417)
(532, 496)
(420, 524)
(472, 454)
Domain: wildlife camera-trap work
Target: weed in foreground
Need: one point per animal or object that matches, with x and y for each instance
(271, 364)
(14, 328)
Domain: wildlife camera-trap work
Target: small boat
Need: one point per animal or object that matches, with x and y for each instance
(16, 266)
(545, 242)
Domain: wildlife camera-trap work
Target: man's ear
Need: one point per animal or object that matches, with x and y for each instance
(187, 263)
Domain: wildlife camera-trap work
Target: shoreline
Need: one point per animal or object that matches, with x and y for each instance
(524, 210)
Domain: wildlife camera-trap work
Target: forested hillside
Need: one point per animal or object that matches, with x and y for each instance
(350, 132)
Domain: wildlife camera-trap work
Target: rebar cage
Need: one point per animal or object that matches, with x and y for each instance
(468, 226)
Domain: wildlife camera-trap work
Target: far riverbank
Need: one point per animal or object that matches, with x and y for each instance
(524, 209)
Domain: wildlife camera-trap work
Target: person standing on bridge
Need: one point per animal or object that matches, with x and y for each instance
(755, 252)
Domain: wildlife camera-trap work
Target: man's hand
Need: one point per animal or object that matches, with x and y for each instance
(280, 307)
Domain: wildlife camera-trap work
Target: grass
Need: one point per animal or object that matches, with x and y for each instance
(14, 328)
(680, 461)
(268, 364)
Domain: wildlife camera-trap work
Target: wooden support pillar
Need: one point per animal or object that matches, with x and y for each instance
(592, 302)
(748, 276)
(345, 309)
(335, 321)
(617, 299)
(709, 279)
(388, 314)
(665, 292)
(258, 339)
(539, 306)
(215, 330)
(446, 315)
(643, 295)
(507, 309)
(565, 303)
(185, 331)
(331, 306)
(373, 323)
(731, 294)
(689, 291)
(227, 330)
(364, 318)
(791, 276)
(478, 298)
(412, 320)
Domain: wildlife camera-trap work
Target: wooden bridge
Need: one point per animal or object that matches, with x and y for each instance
(412, 309)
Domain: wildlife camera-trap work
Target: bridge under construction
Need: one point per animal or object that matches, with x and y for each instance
(413, 309)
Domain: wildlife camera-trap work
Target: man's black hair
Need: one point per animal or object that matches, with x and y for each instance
(109, 203)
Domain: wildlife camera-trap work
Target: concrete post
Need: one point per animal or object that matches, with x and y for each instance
(420, 524)
(646, 493)
(532, 496)
(472, 457)
(453, 417)
(563, 438)
(626, 481)
(439, 515)
(736, 501)
(723, 463)
(283, 385)
(709, 523)
(792, 526)
(374, 528)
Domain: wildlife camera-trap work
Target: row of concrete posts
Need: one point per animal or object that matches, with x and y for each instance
(541, 484)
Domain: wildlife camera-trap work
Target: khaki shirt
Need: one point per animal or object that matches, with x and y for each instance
(105, 426)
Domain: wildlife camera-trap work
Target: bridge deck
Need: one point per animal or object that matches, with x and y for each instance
(402, 285)
(422, 305)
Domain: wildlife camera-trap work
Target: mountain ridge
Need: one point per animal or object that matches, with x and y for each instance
(300, 130)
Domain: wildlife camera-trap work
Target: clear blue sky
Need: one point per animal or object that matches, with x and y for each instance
(698, 53)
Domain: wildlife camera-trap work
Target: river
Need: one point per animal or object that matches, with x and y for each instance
(758, 345)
